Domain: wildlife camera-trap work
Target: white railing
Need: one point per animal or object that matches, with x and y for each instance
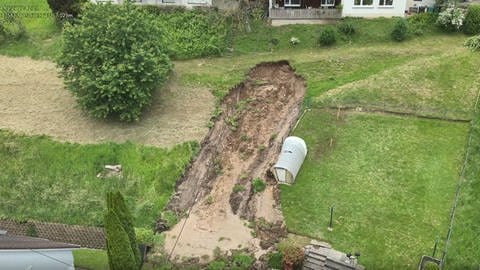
(314, 13)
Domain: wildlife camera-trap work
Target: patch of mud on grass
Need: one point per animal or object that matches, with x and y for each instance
(242, 145)
(33, 100)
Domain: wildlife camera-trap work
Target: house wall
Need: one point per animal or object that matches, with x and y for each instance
(39, 259)
(187, 3)
(396, 10)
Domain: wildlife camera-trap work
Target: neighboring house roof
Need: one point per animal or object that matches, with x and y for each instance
(321, 256)
(25, 242)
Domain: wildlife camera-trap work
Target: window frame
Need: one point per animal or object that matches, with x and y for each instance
(324, 3)
(288, 3)
(362, 3)
(385, 3)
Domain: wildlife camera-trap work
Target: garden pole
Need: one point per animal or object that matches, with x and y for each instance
(435, 247)
(330, 224)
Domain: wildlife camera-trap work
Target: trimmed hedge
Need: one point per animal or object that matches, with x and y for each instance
(472, 20)
(192, 33)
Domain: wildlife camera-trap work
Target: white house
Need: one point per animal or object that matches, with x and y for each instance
(21, 252)
(186, 3)
(335, 9)
(374, 8)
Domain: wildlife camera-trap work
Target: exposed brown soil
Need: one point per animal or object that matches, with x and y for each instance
(243, 144)
(33, 101)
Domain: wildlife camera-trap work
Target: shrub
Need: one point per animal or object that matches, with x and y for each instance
(327, 36)
(144, 236)
(292, 256)
(113, 59)
(473, 43)
(346, 27)
(191, 33)
(238, 188)
(62, 8)
(472, 20)
(11, 27)
(420, 22)
(451, 19)
(423, 19)
(399, 32)
(216, 265)
(294, 41)
(242, 261)
(258, 185)
(275, 260)
(120, 255)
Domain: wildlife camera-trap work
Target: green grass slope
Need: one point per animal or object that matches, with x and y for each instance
(50, 181)
(391, 180)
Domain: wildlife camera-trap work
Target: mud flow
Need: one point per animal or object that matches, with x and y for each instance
(242, 145)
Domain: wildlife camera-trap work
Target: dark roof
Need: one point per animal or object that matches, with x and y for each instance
(321, 256)
(25, 242)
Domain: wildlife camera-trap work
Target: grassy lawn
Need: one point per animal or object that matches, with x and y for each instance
(51, 181)
(464, 248)
(90, 259)
(43, 34)
(442, 85)
(323, 68)
(391, 180)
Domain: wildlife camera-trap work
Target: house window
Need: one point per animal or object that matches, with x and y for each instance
(386, 3)
(292, 3)
(328, 3)
(362, 2)
(196, 1)
(168, 1)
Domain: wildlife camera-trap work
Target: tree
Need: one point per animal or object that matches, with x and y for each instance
(112, 59)
(116, 206)
(66, 7)
(120, 255)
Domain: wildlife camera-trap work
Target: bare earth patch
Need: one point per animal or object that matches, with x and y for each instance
(33, 101)
(243, 144)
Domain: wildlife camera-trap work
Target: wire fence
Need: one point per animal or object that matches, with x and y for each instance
(461, 181)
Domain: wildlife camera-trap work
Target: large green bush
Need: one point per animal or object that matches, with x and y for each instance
(399, 32)
(472, 20)
(192, 33)
(113, 59)
(327, 36)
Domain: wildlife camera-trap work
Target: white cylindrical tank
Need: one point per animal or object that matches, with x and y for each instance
(294, 151)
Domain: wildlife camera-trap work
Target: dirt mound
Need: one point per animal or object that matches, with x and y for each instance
(243, 144)
(33, 101)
